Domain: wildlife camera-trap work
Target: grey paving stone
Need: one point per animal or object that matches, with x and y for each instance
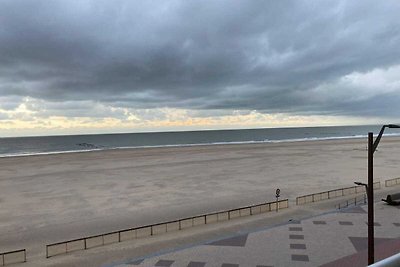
(196, 264)
(300, 257)
(296, 236)
(135, 262)
(319, 222)
(264, 266)
(164, 263)
(298, 246)
(357, 209)
(295, 228)
(229, 265)
(237, 241)
(375, 223)
(345, 223)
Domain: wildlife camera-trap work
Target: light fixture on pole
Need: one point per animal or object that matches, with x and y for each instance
(366, 186)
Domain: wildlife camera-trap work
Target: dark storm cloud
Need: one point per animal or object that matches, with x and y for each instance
(264, 55)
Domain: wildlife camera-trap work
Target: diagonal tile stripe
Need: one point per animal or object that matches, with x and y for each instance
(361, 243)
(237, 241)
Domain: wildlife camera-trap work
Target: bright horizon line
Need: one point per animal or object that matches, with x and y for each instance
(196, 130)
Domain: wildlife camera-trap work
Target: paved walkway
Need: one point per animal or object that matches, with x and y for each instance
(331, 239)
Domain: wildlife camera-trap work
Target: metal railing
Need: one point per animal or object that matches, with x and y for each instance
(11, 257)
(160, 228)
(393, 261)
(353, 201)
(333, 194)
(392, 182)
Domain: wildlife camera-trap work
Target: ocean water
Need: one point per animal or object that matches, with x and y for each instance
(17, 146)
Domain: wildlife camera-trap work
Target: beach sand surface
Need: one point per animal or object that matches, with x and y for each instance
(52, 198)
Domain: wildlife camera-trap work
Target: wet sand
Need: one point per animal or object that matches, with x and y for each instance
(51, 198)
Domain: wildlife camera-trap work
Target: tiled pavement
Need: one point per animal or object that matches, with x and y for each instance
(332, 239)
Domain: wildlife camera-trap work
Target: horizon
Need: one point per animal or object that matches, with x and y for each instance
(197, 130)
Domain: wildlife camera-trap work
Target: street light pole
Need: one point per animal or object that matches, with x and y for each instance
(371, 149)
(370, 196)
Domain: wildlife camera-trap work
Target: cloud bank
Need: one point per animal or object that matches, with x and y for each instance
(116, 59)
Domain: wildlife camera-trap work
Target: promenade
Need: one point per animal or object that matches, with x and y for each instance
(337, 238)
(314, 234)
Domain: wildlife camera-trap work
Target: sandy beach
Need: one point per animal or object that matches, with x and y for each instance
(51, 198)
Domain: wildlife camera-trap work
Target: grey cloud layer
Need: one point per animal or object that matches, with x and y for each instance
(264, 55)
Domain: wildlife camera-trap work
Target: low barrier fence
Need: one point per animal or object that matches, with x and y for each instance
(333, 194)
(17, 256)
(354, 201)
(392, 182)
(160, 228)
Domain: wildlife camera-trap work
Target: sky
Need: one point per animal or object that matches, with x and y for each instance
(80, 66)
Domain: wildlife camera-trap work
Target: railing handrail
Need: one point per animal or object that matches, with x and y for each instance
(11, 252)
(4, 254)
(350, 201)
(396, 180)
(165, 222)
(332, 190)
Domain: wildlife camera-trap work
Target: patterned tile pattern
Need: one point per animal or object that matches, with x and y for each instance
(345, 223)
(298, 246)
(237, 241)
(164, 263)
(196, 264)
(361, 243)
(299, 257)
(375, 223)
(317, 241)
(135, 262)
(357, 209)
(296, 236)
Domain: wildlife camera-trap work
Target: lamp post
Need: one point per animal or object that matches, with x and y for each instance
(366, 186)
(372, 145)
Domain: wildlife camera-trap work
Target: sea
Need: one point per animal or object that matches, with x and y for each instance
(24, 146)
